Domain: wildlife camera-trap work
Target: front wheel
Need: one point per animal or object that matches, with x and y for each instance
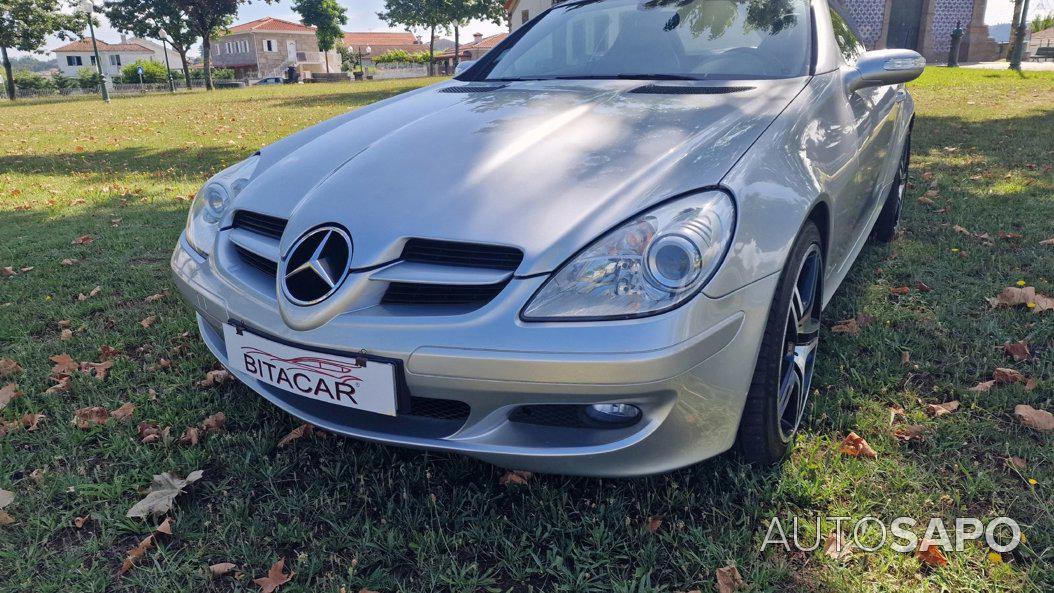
(775, 405)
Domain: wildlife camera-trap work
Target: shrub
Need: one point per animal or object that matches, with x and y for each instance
(88, 78)
(217, 74)
(152, 72)
(62, 81)
(26, 80)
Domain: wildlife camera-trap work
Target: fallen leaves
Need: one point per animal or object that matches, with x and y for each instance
(86, 418)
(1015, 296)
(137, 552)
(148, 321)
(1004, 376)
(514, 477)
(163, 492)
(938, 410)
(91, 293)
(276, 577)
(910, 432)
(214, 378)
(836, 547)
(8, 393)
(855, 446)
(1019, 351)
(899, 290)
(9, 367)
(653, 524)
(221, 568)
(928, 553)
(729, 580)
(83, 240)
(1040, 420)
(852, 326)
(156, 297)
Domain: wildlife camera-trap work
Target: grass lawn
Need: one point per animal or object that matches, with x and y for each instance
(346, 515)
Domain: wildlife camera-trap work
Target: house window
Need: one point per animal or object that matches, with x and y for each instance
(74, 61)
(270, 45)
(524, 16)
(229, 47)
(92, 60)
(115, 60)
(243, 46)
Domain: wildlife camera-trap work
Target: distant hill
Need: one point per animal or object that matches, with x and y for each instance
(33, 64)
(1000, 32)
(443, 43)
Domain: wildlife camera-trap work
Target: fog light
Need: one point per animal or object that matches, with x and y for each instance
(613, 413)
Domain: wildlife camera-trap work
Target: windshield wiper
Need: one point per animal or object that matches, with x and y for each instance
(628, 77)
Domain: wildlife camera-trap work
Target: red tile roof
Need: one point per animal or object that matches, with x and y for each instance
(486, 43)
(85, 45)
(379, 39)
(269, 23)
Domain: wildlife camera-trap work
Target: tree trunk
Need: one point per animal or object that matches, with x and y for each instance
(1013, 27)
(457, 47)
(9, 75)
(186, 67)
(432, 51)
(325, 58)
(206, 54)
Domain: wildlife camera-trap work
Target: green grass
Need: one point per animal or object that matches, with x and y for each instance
(349, 514)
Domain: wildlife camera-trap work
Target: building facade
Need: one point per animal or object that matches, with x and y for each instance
(373, 44)
(922, 25)
(268, 47)
(74, 56)
(472, 50)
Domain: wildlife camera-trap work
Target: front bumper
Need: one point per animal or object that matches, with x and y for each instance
(688, 370)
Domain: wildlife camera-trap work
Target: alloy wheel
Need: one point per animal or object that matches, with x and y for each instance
(801, 338)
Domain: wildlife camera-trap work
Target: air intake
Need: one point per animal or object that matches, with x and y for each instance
(466, 88)
(665, 89)
(453, 253)
(270, 226)
(406, 293)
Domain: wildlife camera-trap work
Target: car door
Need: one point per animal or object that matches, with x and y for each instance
(874, 113)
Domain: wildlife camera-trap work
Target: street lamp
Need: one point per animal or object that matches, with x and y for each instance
(87, 7)
(168, 69)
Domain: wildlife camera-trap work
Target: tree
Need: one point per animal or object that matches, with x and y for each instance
(146, 18)
(1042, 23)
(463, 11)
(430, 14)
(207, 18)
(24, 24)
(326, 16)
(153, 72)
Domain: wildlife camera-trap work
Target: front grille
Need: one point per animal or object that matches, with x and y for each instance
(561, 415)
(260, 263)
(406, 293)
(453, 253)
(270, 226)
(662, 89)
(441, 409)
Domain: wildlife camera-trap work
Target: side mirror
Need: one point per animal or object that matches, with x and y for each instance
(885, 66)
(462, 66)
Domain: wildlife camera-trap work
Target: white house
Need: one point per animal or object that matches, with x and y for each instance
(159, 52)
(74, 56)
(522, 11)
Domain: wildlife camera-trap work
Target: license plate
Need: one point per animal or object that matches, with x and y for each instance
(325, 377)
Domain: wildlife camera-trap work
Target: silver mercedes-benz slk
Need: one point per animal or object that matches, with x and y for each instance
(602, 249)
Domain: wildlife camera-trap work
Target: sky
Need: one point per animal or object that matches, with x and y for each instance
(362, 16)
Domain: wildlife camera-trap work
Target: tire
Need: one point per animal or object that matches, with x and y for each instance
(888, 220)
(787, 356)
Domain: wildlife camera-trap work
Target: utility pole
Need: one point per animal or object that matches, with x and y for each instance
(168, 69)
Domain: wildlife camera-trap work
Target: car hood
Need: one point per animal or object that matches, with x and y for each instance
(544, 166)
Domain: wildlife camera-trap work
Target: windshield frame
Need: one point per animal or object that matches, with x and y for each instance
(479, 71)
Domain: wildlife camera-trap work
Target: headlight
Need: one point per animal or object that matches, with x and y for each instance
(212, 200)
(648, 265)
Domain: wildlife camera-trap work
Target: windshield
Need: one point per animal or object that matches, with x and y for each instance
(656, 39)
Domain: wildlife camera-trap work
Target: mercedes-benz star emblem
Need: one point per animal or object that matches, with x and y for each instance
(316, 266)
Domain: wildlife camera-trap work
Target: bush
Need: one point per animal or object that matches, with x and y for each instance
(402, 56)
(88, 78)
(26, 80)
(217, 74)
(63, 82)
(152, 72)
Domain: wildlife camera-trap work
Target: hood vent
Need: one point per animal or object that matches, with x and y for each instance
(453, 253)
(466, 88)
(665, 89)
(269, 226)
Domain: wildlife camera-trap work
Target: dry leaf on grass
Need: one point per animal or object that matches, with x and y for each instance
(80, 522)
(136, 553)
(9, 367)
(7, 393)
(214, 423)
(516, 476)
(899, 290)
(911, 432)
(1018, 462)
(221, 568)
(156, 297)
(6, 498)
(653, 524)
(148, 321)
(93, 292)
(108, 352)
(275, 578)
(191, 436)
(64, 364)
(1013, 296)
(1004, 376)
(86, 418)
(163, 492)
(66, 334)
(1018, 351)
(847, 326)
(99, 369)
(296, 434)
(938, 410)
(729, 580)
(217, 377)
(1049, 241)
(124, 412)
(82, 240)
(62, 385)
(928, 553)
(836, 547)
(855, 446)
(1041, 420)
